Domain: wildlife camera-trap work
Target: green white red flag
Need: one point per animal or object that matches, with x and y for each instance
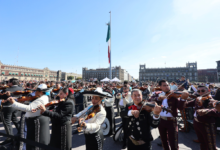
(108, 39)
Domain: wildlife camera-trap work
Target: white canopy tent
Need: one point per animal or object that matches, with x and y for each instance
(115, 80)
(105, 80)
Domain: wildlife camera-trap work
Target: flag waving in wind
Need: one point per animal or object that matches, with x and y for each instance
(108, 39)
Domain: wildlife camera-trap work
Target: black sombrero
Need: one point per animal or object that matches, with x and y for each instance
(97, 92)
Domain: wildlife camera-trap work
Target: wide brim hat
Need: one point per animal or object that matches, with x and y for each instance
(97, 92)
(42, 87)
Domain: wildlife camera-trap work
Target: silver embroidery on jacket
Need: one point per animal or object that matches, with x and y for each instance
(99, 142)
(22, 131)
(37, 132)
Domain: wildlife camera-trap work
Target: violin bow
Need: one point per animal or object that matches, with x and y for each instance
(175, 90)
(200, 97)
(155, 83)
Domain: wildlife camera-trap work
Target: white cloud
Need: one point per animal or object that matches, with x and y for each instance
(155, 38)
(196, 8)
(163, 56)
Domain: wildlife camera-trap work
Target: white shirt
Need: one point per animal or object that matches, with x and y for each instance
(109, 101)
(93, 124)
(121, 103)
(126, 100)
(164, 113)
(33, 105)
(165, 104)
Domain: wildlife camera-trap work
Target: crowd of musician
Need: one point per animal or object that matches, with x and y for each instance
(141, 106)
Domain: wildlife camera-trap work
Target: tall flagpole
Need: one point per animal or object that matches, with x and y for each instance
(110, 69)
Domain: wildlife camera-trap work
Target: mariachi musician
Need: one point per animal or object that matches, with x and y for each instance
(168, 125)
(125, 98)
(140, 122)
(91, 118)
(37, 125)
(10, 113)
(204, 125)
(79, 101)
(109, 108)
(145, 92)
(56, 90)
(116, 91)
(61, 120)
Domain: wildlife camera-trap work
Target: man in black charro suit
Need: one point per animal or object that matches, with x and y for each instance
(10, 113)
(140, 122)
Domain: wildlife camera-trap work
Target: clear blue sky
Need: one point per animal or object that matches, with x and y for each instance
(68, 35)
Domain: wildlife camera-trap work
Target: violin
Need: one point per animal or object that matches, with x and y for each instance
(25, 98)
(77, 90)
(142, 88)
(214, 104)
(156, 89)
(54, 102)
(153, 105)
(93, 112)
(4, 87)
(118, 86)
(90, 114)
(56, 90)
(178, 94)
(202, 99)
(25, 92)
(19, 92)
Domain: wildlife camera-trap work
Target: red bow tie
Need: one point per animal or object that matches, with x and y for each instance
(133, 107)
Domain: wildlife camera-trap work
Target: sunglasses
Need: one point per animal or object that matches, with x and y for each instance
(201, 91)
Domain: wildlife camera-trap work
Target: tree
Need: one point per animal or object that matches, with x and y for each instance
(78, 78)
(70, 77)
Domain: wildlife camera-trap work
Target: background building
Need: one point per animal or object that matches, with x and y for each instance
(66, 75)
(218, 70)
(101, 73)
(207, 75)
(170, 74)
(26, 73)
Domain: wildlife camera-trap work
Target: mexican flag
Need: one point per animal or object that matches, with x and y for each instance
(108, 39)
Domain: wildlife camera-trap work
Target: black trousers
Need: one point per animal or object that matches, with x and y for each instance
(146, 146)
(78, 108)
(23, 131)
(94, 141)
(61, 136)
(124, 125)
(38, 131)
(10, 114)
(111, 117)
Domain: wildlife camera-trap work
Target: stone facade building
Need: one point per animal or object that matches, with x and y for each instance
(170, 74)
(26, 73)
(207, 75)
(218, 70)
(102, 73)
(66, 75)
